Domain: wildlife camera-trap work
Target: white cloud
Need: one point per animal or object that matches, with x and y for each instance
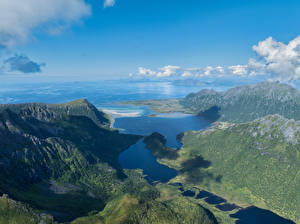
(18, 19)
(109, 3)
(280, 60)
(187, 74)
(168, 71)
(145, 72)
(238, 70)
(176, 72)
(275, 60)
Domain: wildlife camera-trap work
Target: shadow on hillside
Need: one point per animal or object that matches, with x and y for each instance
(212, 114)
(194, 170)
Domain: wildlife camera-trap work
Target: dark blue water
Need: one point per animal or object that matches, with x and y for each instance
(254, 215)
(188, 193)
(204, 194)
(227, 207)
(214, 200)
(103, 94)
(169, 125)
(138, 157)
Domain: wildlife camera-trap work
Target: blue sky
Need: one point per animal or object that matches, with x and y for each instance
(115, 41)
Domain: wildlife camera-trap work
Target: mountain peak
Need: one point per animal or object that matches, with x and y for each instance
(247, 103)
(47, 112)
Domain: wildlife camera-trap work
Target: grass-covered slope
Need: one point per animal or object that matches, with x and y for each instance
(12, 212)
(130, 210)
(237, 105)
(63, 161)
(48, 112)
(254, 163)
(157, 144)
(247, 103)
(58, 162)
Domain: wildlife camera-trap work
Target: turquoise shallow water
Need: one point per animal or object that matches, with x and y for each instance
(103, 94)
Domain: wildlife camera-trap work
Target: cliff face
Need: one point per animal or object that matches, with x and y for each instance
(61, 161)
(36, 140)
(70, 144)
(48, 112)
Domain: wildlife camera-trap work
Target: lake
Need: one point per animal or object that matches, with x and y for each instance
(103, 94)
(169, 125)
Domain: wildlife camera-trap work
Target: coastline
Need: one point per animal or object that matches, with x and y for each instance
(161, 105)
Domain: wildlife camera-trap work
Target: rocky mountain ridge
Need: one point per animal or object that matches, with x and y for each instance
(247, 103)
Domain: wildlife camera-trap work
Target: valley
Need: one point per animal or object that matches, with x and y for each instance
(72, 163)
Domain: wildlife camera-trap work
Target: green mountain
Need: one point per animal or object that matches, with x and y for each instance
(245, 103)
(12, 212)
(50, 159)
(48, 112)
(62, 160)
(254, 163)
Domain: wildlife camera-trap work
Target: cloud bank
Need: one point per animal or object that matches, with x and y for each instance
(22, 64)
(109, 3)
(18, 19)
(274, 60)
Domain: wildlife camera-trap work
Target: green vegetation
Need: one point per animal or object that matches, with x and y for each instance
(161, 106)
(254, 163)
(131, 210)
(12, 212)
(169, 192)
(48, 112)
(236, 105)
(247, 103)
(157, 144)
(40, 149)
(63, 160)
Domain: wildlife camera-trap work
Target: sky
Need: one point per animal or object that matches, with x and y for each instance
(153, 39)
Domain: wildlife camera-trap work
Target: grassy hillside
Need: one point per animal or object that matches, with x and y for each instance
(60, 163)
(58, 160)
(254, 163)
(236, 105)
(48, 112)
(157, 144)
(12, 212)
(247, 103)
(131, 210)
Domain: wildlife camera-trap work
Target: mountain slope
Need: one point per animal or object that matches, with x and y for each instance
(246, 103)
(43, 150)
(12, 212)
(130, 210)
(48, 112)
(62, 160)
(256, 163)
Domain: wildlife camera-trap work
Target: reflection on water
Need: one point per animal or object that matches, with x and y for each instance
(139, 157)
(170, 125)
